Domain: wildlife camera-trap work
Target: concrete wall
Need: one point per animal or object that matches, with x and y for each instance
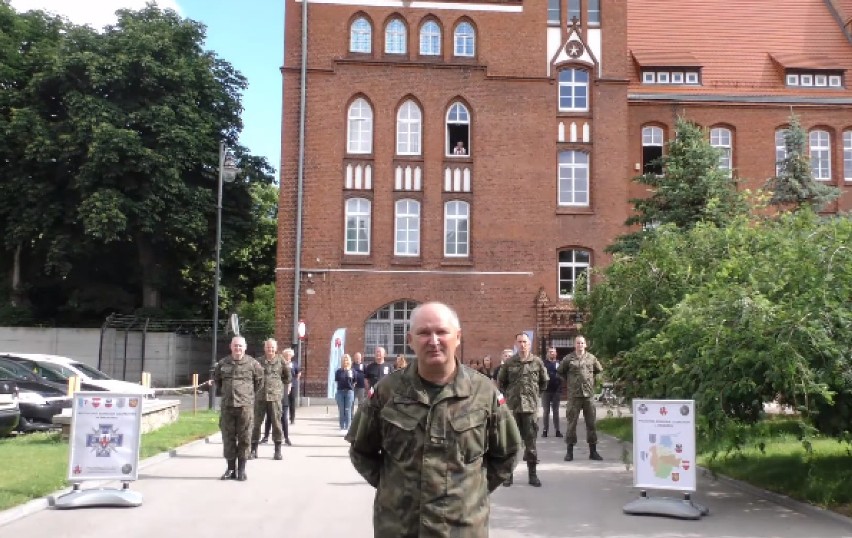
(79, 344)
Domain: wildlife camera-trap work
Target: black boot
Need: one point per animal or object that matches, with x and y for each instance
(508, 481)
(558, 433)
(253, 452)
(230, 474)
(534, 481)
(241, 470)
(569, 456)
(277, 455)
(593, 452)
(544, 433)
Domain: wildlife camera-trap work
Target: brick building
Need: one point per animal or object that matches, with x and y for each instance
(481, 152)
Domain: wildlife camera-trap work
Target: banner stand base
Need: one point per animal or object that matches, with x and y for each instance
(665, 506)
(86, 498)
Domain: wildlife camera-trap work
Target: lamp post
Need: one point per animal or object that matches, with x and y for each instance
(227, 172)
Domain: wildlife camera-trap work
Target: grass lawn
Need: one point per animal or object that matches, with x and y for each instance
(822, 477)
(35, 465)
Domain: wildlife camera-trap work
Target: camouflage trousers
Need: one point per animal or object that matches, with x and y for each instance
(528, 426)
(572, 412)
(235, 423)
(273, 411)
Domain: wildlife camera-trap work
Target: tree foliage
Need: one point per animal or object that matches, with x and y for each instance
(110, 142)
(690, 190)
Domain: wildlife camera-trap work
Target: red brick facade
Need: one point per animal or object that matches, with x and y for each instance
(508, 281)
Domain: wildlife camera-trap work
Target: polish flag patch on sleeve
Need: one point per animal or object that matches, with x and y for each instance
(501, 400)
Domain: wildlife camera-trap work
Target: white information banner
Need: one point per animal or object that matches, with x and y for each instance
(105, 436)
(664, 444)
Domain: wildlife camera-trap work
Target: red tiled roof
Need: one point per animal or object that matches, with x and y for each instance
(735, 42)
(811, 61)
(665, 59)
(844, 9)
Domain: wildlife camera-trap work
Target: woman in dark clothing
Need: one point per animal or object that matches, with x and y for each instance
(346, 379)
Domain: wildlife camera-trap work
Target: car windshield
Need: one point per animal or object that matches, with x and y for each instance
(53, 372)
(9, 374)
(17, 370)
(94, 373)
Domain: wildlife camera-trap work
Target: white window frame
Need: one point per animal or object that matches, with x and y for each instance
(359, 132)
(593, 12)
(430, 39)
(361, 36)
(821, 80)
(780, 149)
(722, 139)
(847, 155)
(662, 77)
(457, 114)
(677, 77)
(652, 135)
(835, 81)
(692, 77)
(358, 217)
(792, 79)
(573, 179)
(464, 40)
(806, 79)
(456, 225)
(568, 89)
(406, 228)
(409, 130)
(576, 266)
(649, 77)
(820, 153)
(396, 37)
(554, 11)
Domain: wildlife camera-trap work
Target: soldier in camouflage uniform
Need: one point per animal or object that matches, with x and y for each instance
(434, 439)
(522, 378)
(579, 369)
(237, 377)
(276, 380)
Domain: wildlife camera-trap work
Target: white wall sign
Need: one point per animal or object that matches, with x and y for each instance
(664, 444)
(105, 436)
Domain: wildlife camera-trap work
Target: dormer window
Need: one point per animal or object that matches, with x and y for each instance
(814, 79)
(671, 76)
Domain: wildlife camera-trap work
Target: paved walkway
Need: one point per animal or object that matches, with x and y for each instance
(314, 492)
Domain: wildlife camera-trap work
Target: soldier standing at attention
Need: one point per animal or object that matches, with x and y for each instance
(276, 381)
(434, 439)
(522, 378)
(579, 369)
(237, 377)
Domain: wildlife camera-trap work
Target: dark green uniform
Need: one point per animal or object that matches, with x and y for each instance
(433, 453)
(237, 382)
(579, 374)
(522, 381)
(276, 377)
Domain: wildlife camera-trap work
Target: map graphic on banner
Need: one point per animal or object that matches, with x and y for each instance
(664, 444)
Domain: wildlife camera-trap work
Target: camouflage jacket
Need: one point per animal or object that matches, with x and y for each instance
(522, 382)
(237, 381)
(433, 464)
(276, 377)
(579, 374)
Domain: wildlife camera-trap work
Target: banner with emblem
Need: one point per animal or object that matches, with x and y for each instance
(664, 444)
(338, 343)
(105, 436)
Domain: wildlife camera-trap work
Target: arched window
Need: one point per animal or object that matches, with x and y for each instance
(572, 265)
(395, 37)
(652, 150)
(359, 138)
(458, 130)
(573, 178)
(574, 90)
(820, 155)
(387, 327)
(408, 129)
(407, 228)
(456, 229)
(430, 39)
(780, 149)
(722, 139)
(361, 36)
(357, 226)
(847, 155)
(464, 40)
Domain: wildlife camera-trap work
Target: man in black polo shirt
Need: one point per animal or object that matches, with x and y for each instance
(377, 370)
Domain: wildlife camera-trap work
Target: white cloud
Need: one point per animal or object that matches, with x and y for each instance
(95, 13)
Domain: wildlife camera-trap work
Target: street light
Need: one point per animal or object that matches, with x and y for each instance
(227, 172)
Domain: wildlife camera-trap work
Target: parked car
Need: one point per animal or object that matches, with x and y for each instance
(52, 374)
(38, 401)
(10, 413)
(69, 367)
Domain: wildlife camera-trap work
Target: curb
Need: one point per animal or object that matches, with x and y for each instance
(36, 505)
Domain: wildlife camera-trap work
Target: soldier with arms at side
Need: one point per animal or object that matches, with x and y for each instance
(237, 376)
(579, 368)
(522, 378)
(434, 439)
(276, 381)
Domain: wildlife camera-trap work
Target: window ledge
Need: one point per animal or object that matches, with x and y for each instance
(567, 210)
(406, 260)
(574, 114)
(461, 262)
(353, 259)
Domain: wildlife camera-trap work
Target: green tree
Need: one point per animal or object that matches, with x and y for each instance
(690, 190)
(794, 186)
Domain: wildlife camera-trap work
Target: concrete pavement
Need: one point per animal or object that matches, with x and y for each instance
(315, 491)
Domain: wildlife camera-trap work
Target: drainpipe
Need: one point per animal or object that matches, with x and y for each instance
(297, 270)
